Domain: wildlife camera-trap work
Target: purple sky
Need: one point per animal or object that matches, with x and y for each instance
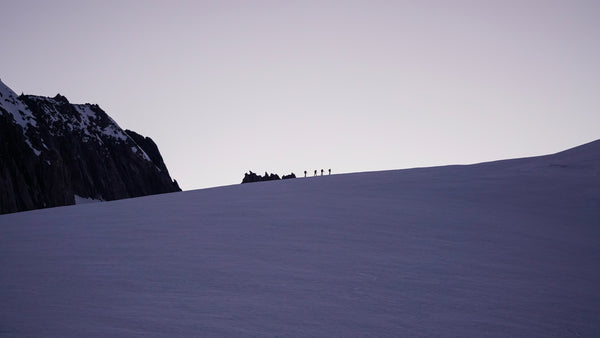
(229, 86)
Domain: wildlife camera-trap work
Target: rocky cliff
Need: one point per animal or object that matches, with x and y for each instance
(53, 152)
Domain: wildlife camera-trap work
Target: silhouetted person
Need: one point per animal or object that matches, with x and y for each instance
(315, 172)
(322, 172)
(304, 173)
(329, 171)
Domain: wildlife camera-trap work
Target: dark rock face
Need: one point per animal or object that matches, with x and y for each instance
(149, 147)
(52, 151)
(252, 177)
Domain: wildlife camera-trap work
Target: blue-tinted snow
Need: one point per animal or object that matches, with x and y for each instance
(85, 200)
(503, 249)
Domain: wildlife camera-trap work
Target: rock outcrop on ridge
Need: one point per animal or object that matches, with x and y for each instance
(53, 152)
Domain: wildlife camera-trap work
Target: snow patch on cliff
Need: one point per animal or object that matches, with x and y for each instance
(9, 100)
(20, 113)
(138, 150)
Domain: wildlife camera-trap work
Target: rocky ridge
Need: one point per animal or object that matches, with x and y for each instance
(53, 151)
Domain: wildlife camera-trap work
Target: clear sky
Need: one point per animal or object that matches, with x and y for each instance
(224, 87)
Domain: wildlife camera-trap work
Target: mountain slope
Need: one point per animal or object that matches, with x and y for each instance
(508, 248)
(52, 151)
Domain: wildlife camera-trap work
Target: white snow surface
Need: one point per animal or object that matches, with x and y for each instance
(502, 249)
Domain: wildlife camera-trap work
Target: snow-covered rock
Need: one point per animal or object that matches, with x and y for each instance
(53, 150)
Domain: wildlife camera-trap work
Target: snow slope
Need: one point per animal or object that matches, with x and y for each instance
(502, 249)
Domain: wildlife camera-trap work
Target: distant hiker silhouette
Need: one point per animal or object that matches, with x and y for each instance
(321, 172)
(329, 171)
(315, 172)
(304, 173)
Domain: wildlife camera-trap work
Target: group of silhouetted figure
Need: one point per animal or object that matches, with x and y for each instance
(252, 177)
(322, 171)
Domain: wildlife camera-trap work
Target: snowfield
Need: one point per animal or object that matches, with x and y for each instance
(502, 249)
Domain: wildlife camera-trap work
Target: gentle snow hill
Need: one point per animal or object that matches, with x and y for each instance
(502, 249)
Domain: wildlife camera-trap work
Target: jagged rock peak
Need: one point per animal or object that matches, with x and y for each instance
(60, 98)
